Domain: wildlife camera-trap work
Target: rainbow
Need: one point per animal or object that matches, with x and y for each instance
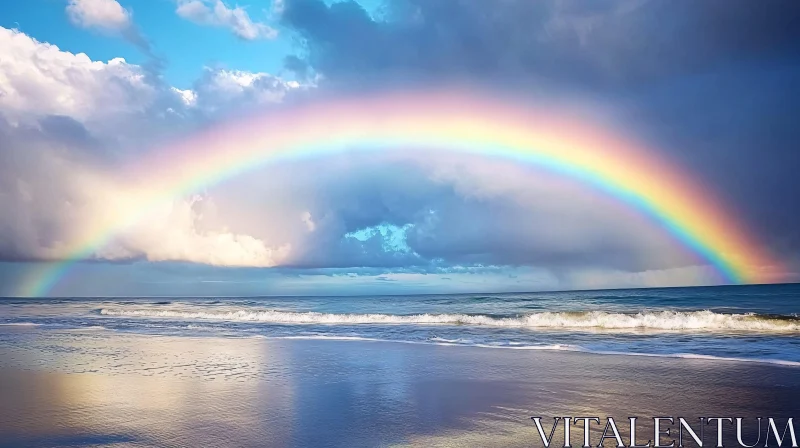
(457, 121)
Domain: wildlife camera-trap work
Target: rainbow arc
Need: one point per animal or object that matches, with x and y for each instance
(453, 122)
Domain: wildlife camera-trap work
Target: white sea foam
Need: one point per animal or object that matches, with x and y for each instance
(780, 362)
(591, 320)
(88, 328)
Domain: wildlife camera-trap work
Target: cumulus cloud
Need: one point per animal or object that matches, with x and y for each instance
(64, 123)
(38, 79)
(117, 99)
(217, 13)
(61, 195)
(107, 15)
(175, 232)
(220, 88)
(220, 91)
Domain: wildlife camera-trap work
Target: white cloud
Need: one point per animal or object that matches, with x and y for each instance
(60, 196)
(57, 200)
(278, 6)
(309, 221)
(217, 13)
(62, 116)
(38, 79)
(106, 15)
(176, 232)
(220, 90)
(188, 96)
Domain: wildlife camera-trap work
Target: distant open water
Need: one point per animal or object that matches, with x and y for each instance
(745, 323)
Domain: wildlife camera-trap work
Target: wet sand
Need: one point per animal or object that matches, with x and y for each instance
(101, 388)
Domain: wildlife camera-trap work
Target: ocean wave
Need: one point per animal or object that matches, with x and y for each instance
(589, 320)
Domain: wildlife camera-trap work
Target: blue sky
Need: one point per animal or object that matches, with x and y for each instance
(185, 46)
(719, 99)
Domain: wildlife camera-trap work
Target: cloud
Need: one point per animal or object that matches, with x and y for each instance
(39, 79)
(61, 194)
(584, 46)
(176, 232)
(712, 86)
(220, 92)
(220, 88)
(64, 173)
(418, 209)
(183, 279)
(45, 220)
(68, 125)
(217, 13)
(116, 99)
(278, 7)
(71, 126)
(106, 15)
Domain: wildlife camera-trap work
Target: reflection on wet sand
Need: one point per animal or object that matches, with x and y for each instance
(179, 392)
(116, 389)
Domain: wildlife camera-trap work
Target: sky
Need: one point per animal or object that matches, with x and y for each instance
(88, 87)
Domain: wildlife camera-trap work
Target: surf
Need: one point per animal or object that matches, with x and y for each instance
(664, 320)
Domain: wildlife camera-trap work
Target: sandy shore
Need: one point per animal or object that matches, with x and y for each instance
(100, 388)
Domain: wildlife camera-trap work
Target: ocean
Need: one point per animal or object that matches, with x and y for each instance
(759, 323)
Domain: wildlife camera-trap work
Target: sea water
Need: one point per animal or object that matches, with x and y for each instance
(758, 323)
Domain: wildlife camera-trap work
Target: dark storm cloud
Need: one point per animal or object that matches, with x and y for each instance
(738, 129)
(296, 65)
(715, 83)
(604, 43)
(24, 228)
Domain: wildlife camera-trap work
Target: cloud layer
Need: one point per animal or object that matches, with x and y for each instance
(714, 85)
(720, 104)
(412, 209)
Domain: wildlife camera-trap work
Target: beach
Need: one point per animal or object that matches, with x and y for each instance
(95, 387)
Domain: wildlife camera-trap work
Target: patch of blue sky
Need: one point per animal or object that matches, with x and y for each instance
(375, 8)
(394, 238)
(185, 47)
(189, 47)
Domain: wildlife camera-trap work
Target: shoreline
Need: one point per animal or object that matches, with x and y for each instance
(558, 348)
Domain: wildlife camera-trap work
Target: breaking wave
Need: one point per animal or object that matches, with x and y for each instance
(589, 320)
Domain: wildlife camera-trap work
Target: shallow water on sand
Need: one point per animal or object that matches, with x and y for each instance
(106, 388)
